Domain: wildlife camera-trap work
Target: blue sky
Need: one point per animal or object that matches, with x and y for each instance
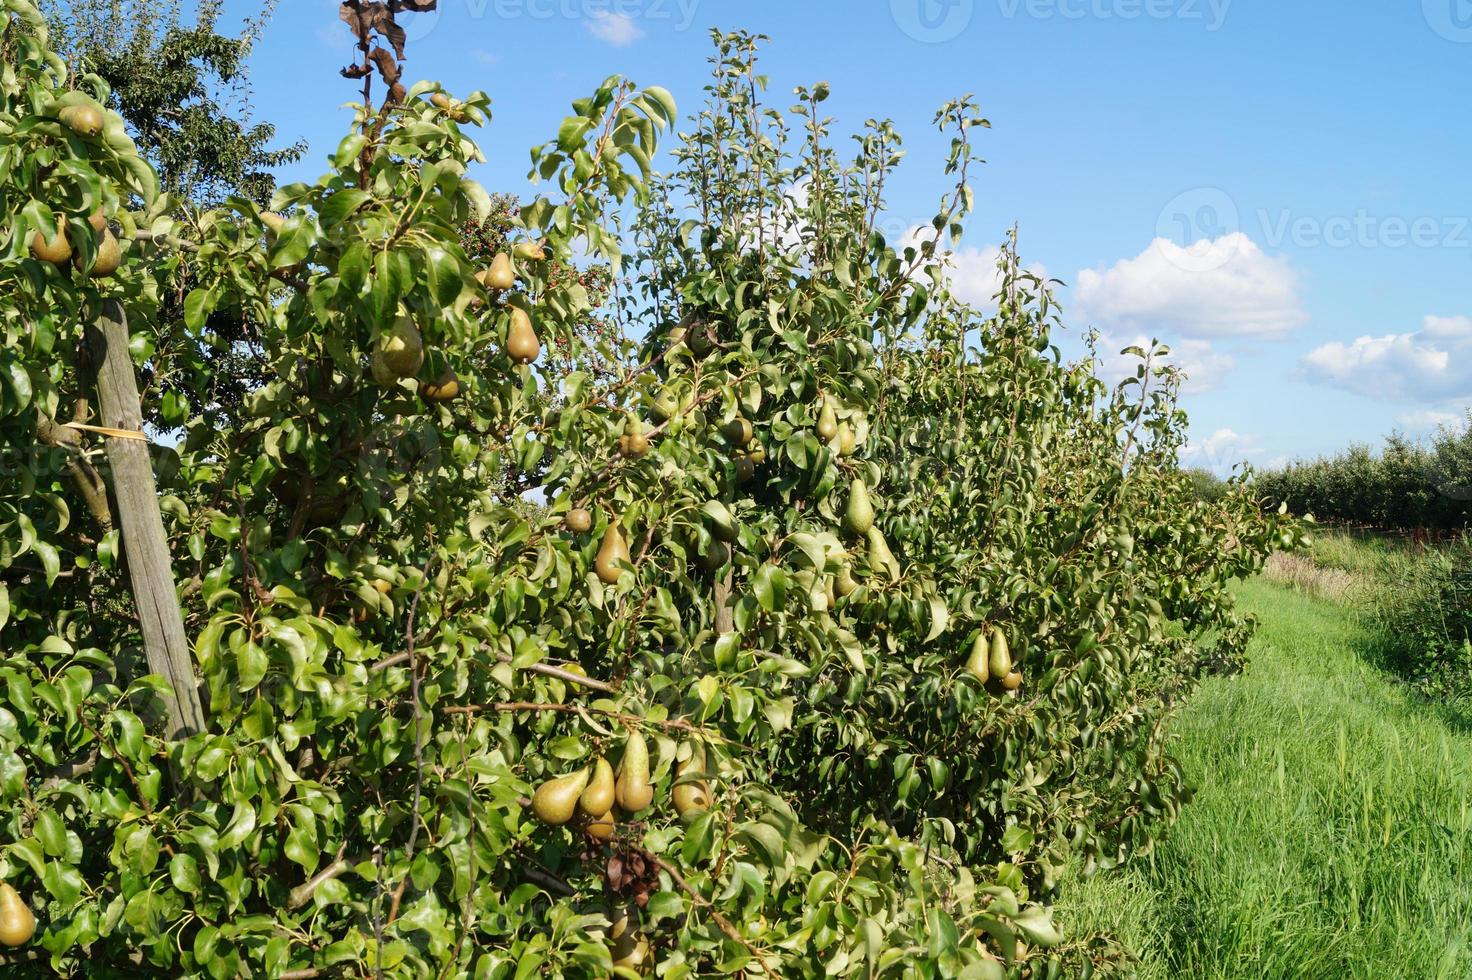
(1281, 190)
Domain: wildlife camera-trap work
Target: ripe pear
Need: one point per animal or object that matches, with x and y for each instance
(521, 339)
(633, 790)
(827, 421)
(56, 250)
(630, 949)
(859, 516)
(579, 521)
(499, 275)
(843, 582)
(98, 221)
(530, 251)
(109, 257)
(881, 559)
(693, 798)
(17, 922)
(848, 440)
(612, 554)
(737, 431)
(556, 800)
(84, 120)
(836, 441)
(631, 954)
(1013, 680)
(999, 661)
(402, 348)
(602, 826)
(441, 100)
(598, 798)
(445, 388)
(977, 663)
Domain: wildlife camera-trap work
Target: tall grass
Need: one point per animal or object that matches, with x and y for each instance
(1331, 836)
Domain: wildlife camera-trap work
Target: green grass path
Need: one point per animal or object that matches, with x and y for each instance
(1331, 834)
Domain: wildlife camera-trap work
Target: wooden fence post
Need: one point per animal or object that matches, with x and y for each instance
(145, 545)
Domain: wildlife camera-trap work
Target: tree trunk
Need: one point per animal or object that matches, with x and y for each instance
(145, 546)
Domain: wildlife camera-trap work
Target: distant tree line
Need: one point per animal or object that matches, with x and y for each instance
(1407, 485)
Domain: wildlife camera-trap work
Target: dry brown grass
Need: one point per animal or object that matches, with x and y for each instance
(1300, 572)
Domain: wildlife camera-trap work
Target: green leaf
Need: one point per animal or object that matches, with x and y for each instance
(184, 873)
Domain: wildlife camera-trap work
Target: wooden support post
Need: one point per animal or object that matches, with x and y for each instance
(145, 545)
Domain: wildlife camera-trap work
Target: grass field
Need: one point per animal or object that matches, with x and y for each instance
(1331, 836)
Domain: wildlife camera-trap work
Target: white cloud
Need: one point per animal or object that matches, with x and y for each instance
(1430, 420)
(1221, 451)
(618, 29)
(1223, 288)
(1433, 364)
(1203, 366)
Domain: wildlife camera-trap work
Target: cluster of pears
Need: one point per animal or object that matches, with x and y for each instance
(17, 921)
(399, 354)
(843, 435)
(991, 660)
(628, 947)
(522, 344)
(749, 453)
(591, 793)
(633, 442)
(858, 519)
(57, 250)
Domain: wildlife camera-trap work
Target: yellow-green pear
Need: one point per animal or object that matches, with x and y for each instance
(1013, 680)
(556, 800)
(843, 582)
(17, 922)
(499, 275)
(633, 790)
(881, 559)
(999, 661)
(84, 120)
(827, 421)
(530, 251)
(859, 516)
(848, 440)
(521, 339)
(402, 348)
(598, 798)
(109, 256)
(579, 521)
(976, 664)
(602, 826)
(691, 799)
(612, 554)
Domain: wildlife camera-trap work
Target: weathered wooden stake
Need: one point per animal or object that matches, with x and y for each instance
(144, 544)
